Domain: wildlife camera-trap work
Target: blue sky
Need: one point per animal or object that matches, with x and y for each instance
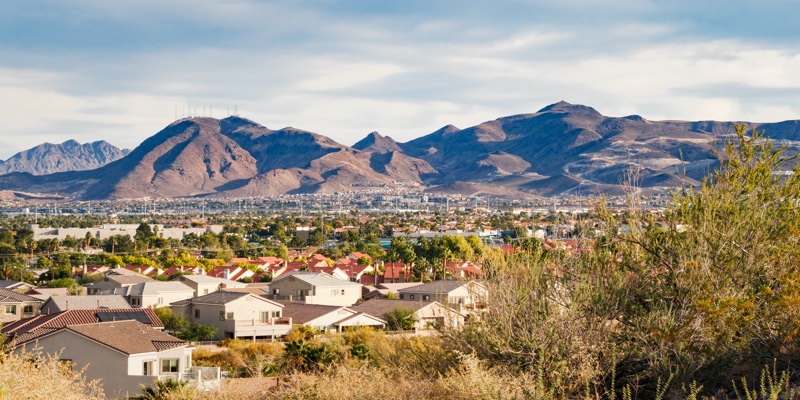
(119, 71)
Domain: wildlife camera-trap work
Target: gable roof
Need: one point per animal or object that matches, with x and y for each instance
(122, 279)
(349, 320)
(87, 302)
(437, 287)
(220, 298)
(302, 313)
(29, 329)
(14, 284)
(155, 287)
(318, 279)
(211, 279)
(10, 296)
(128, 337)
(380, 307)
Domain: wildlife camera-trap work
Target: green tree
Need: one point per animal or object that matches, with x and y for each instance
(400, 319)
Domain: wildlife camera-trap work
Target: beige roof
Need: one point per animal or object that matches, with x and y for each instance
(129, 337)
(302, 313)
(9, 296)
(380, 307)
(87, 302)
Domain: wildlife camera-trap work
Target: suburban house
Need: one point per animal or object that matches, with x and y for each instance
(123, 355)
(231, 273)
(114, 280)
(28, 329)
(155, 293)
(236, 315)
(329, 318)
(15, 306)
(57, 304)
(383, 289)
(355, 272)
(184, 270)
(314, 288)
(18, 286)
(89, 269)
(204, 284)
(427, 313)
(456, 294)
(145, 270)
(335, 272)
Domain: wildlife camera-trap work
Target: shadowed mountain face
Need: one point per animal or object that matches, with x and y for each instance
(561, 148)
(50, 158)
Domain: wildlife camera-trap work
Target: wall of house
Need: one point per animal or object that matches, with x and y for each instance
(436, 313)
(136, 361)
(103, 286)
(152, 300)
(289, 287)
(101, 362)
(209, 315)
(19, 309)
(245, 309)
(332, 296)
(360, 320)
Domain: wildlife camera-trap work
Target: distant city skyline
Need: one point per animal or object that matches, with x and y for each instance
(120, 71)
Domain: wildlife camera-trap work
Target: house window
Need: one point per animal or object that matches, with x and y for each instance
(197, 313)
(402, 296)
(160, 300)
(426, 297)
(229, 316)
(342, 292)
(169, 365)
(11, 309)
(188, 362)
(334, 292)
(276, 291)
(276, 314)
(411, 297)
(27, 309)
(147, 368)
(264, 316)
(205, 291)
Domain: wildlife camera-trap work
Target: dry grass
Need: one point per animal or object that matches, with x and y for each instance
(45, 379)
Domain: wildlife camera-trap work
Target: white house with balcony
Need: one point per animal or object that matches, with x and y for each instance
(236, 315)
(314, 288)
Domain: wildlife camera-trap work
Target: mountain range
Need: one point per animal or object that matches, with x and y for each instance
(562, 148)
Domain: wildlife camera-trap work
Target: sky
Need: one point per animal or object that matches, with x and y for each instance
(121, 71)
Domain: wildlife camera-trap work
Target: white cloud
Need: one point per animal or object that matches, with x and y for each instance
(345, 73)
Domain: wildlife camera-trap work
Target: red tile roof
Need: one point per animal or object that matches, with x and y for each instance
(31, 328)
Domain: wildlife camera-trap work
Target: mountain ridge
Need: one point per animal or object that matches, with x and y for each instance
(559, 149)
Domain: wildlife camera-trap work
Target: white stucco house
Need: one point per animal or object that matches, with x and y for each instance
(123, 355)
(236, 315)
(314, 288)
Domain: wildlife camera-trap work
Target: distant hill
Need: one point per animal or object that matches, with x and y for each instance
(50, 158)
(562, 148)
